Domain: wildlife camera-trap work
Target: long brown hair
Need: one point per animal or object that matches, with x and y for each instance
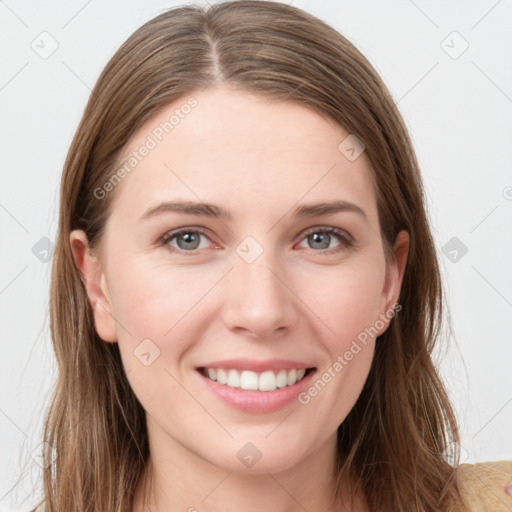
(395, 440)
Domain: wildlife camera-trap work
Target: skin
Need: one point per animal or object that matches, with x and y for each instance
(260, 159)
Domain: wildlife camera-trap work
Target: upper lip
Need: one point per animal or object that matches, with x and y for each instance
(257, 365)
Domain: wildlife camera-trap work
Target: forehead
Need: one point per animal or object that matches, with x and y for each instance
(242, 151)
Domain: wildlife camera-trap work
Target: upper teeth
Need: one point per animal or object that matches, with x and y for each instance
(265, 381)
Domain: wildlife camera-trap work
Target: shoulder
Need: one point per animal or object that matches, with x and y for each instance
(486, 486)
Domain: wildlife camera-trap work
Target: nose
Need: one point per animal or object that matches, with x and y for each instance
(259, 298)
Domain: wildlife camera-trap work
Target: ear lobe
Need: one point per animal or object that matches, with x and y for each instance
(95, 283)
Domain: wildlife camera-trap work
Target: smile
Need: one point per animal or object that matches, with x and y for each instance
(249, 380)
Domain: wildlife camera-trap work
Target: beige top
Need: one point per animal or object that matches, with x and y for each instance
(487, 486)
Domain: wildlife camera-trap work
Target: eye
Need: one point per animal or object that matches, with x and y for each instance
(188, 240)
(320, 238)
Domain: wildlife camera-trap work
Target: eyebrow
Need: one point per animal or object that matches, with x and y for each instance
(216, 211)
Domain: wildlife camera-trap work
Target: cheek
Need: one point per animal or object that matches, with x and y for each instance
(349, 309)
(149, 300)
(347, 301)
(157, 309)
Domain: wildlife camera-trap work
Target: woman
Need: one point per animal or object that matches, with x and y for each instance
(245, 292)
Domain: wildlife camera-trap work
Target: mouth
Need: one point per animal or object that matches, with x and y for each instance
(248, 380)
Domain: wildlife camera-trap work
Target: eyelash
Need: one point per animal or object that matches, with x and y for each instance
(346, 241)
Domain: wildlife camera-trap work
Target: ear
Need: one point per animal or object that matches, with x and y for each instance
(95, 284)
(394, 277)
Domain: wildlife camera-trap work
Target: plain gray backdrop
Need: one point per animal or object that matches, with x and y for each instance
(448, 65)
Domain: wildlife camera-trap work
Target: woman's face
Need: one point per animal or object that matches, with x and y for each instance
(262, 291)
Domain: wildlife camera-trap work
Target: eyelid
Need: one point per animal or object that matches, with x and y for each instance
(330, 229)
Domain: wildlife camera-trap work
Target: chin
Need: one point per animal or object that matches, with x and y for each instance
(259, 455)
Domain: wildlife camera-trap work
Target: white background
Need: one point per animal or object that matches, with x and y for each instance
(458, 110)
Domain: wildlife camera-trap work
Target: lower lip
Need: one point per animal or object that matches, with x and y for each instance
(258, 401)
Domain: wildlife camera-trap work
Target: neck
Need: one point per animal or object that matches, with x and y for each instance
(176, 478)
